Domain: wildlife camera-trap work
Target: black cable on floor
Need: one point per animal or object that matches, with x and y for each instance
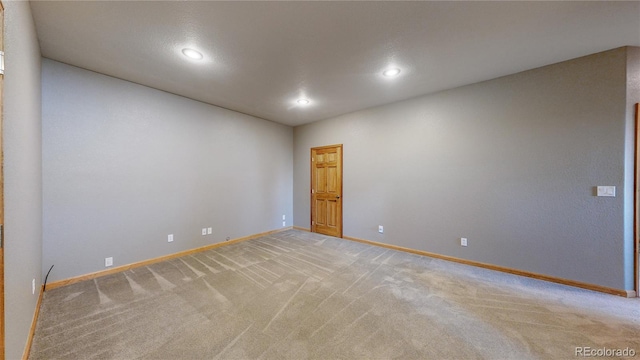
(44, 287)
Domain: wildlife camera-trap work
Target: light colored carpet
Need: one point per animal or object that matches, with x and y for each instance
(297, 295)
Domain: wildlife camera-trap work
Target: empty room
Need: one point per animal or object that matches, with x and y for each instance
(319, 180)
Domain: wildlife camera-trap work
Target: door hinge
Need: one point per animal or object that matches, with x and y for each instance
(1, 235)
(312, 191)
(1, 62)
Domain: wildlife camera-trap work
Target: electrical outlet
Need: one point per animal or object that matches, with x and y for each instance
(606, 191)
(284, 217)
(284, 223)
(381, 229)
(108, 262)
(33, 287)
(170, 238)
(463, 241)
(204, 231)
(209, 231)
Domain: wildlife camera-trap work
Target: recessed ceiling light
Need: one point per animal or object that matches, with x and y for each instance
(391, 72)
(192, 54)
(303, 101)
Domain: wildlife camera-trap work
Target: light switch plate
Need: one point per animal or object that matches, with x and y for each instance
(108, 261)
(204, 231)
(607, 191)
(209, 231)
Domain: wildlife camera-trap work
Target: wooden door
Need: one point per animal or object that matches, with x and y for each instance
(326, 190)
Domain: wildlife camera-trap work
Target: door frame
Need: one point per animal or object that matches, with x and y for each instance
(636, 201)
(2, 239)
(311, 207)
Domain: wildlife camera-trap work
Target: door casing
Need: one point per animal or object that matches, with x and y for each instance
(636, 225)
(2, 239)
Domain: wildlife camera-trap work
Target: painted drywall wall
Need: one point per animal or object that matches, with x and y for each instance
(511, 164)
(125, 165)
(22, 174)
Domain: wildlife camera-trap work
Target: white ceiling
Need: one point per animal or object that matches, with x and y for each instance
(261, 56)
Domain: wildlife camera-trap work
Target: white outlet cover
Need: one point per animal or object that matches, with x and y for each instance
(204, 231)
(463, 241)
(284, 223)
(607, 191)
(170, 238)
(284, 217)
(381, 229)
(209, 231)
(33, 286)
(108, 262)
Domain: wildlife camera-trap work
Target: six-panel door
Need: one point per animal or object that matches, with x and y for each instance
(326, 190)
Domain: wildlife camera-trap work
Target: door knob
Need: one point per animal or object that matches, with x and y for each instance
(337, 196)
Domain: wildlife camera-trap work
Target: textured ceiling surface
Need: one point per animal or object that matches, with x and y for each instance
(259, 57)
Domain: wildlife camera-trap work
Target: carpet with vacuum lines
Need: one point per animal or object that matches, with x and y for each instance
(300, 295)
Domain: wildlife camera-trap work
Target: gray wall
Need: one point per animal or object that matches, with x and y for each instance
(22, 174)
(125, 165)
(510, 163)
